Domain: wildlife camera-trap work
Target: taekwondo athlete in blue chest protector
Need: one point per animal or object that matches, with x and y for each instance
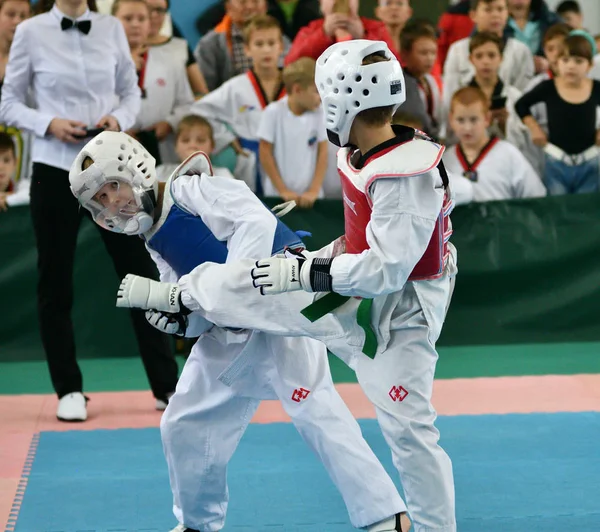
(197, 218)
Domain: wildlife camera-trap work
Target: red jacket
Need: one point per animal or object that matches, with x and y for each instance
(312, 41)
(454, 24)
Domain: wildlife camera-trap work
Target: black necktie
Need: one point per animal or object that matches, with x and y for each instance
(84, 26)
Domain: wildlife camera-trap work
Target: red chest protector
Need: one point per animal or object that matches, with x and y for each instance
(358, 207)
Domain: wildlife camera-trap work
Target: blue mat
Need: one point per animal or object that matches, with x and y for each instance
(514, 473)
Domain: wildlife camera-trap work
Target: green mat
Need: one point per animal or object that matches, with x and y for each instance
(120, 374)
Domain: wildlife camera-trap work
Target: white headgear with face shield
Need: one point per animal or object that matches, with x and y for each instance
(347, 87)
(126, 204)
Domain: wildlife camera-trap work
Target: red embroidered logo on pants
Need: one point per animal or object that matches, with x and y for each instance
(300, 394)
(397, 393)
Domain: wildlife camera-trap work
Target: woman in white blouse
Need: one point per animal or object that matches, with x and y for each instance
(77, 65)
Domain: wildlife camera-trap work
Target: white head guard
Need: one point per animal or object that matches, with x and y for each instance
(347, 87)
(121, 160)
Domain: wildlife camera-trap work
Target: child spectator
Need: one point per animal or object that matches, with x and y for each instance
(166, 92)
(529, 20)
(418, 56)
(293, 141)
(567, 127)
(235, 108)
(176, 48)
(570, 12)
(14, 187)
(394, 14)
(193, 134)
(495, 169)
(485, 53)
(221, 53)
(553, 44)
(517, 64)
(518, 134)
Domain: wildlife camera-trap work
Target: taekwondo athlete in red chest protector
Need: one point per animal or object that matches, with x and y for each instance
(397, 257)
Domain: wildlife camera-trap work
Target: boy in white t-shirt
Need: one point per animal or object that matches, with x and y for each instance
(193, 134)
(293, 140)
(483, 167)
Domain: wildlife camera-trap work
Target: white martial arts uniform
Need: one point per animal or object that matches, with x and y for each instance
(167, 96)
(500, 172)
(234, 110)
(228, 372)
(516, 69)
(296, 140)
(408, 202)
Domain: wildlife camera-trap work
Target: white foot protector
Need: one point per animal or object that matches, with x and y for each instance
(72, 407)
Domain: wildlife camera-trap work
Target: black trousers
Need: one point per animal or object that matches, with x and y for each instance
(56, 217)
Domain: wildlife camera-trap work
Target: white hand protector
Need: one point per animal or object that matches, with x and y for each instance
(276, 275)
(168, 323)
(141, 292)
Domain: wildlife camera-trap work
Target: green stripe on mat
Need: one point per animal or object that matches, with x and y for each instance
(119, 374)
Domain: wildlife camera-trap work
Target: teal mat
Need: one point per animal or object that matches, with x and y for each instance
(514, 473)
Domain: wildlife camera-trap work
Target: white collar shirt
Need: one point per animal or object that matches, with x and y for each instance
(70, 75)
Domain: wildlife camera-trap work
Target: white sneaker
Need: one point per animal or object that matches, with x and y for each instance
(178, 528)
(72, 407)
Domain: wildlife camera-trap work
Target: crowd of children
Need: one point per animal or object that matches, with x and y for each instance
(530, 71)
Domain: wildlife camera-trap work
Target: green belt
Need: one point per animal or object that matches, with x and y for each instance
(332, 301)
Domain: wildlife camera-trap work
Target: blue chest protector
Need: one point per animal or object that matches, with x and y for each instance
(184, 241)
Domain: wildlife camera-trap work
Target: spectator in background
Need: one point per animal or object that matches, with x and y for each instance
(235, 108)
(79, 69)
(221, 52)
(455, 24)
(176, 47)
(394, 14)
(517, 64)
(293, 139)
(570, 12)
(418, 56)
(340, 22)
(570, 105)
(193, 134)
(553, 43)
(13, 191)
(528, 21)
(494, 169)
(485, 51)
(166, 93)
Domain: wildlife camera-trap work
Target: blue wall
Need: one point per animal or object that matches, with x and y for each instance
(185, 13)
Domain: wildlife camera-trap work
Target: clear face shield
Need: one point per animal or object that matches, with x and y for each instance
(121, 208)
